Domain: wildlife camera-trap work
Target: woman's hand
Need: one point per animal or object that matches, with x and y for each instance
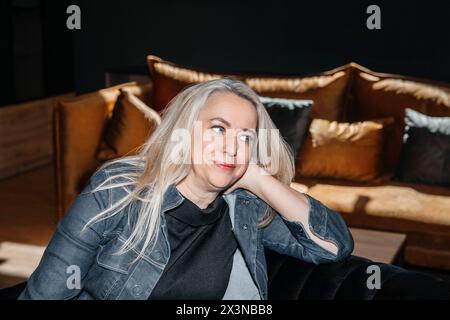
(250, 179)
(288, 202)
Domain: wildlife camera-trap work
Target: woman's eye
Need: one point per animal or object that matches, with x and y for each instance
(218, 129)
(245, 138)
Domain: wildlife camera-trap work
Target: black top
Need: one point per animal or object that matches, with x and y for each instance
(202, 247)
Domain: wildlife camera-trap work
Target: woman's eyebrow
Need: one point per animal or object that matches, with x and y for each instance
(221, 120)
(225, 122)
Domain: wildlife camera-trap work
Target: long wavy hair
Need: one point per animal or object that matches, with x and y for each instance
(154, 172)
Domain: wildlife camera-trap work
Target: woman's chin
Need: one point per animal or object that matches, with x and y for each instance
(221, 184)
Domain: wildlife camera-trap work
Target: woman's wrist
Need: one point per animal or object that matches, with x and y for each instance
(257, 179)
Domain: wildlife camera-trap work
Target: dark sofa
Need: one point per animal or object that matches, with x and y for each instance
(292, 279)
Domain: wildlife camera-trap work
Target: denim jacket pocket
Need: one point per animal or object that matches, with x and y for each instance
(108, 258)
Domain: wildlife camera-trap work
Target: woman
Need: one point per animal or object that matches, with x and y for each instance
(189, 216)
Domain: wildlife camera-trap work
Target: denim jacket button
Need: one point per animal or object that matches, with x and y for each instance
(244, 226)
(137, 290)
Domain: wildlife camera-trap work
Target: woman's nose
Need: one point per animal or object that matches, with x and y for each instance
(231, 145)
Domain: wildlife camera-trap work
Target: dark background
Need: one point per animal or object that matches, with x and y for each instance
(39, 56)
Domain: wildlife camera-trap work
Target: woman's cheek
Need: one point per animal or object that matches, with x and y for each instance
(211, 151)
(244, 155)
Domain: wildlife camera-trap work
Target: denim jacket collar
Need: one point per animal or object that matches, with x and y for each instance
(173, 198)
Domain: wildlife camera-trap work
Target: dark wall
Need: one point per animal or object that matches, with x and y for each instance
(36, 52)
(58, 47)
(6, 77)
(278, 37)
(287, 37)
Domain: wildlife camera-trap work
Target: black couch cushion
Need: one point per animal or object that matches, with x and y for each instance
(293, 279)
(292, 118)
(425, 156)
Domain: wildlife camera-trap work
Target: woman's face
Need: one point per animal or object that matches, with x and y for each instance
(223, 140)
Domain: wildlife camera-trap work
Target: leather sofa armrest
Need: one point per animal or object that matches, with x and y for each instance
(78, 131)
(79, 125)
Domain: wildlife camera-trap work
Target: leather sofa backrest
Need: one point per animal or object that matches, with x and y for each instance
(374, 95)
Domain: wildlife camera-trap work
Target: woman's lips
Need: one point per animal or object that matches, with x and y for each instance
(225, 166)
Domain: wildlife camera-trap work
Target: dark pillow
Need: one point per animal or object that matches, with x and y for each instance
(425, 156)
(291, 116)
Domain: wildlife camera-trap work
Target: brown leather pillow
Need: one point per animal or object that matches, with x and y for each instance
(327, 90)
(79, 126)
(132, 122)
(81, 121)
(169, 79)
(350, 151)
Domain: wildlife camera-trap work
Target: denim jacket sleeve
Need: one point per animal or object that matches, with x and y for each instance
(289, 237)
(69, 247)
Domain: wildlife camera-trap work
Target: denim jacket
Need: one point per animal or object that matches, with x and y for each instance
(105, 275)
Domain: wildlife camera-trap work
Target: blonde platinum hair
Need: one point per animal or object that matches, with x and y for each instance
(155, 172)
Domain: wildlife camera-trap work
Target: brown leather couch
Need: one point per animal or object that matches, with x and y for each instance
(346, 94)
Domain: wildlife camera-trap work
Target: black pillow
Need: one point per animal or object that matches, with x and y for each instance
(425, 156)
(291, 117)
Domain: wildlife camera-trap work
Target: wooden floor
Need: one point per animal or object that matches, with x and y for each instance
(27, 212)
(28, 207)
